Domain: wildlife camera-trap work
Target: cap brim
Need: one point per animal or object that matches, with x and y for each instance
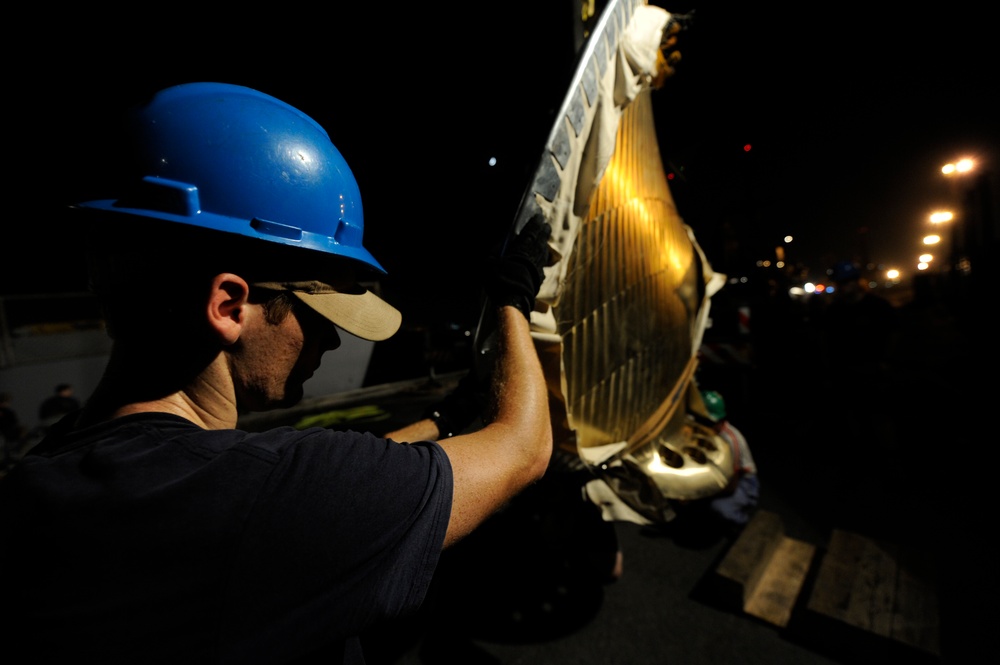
(351, 307)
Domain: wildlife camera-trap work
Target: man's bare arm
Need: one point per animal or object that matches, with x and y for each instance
(495, 463)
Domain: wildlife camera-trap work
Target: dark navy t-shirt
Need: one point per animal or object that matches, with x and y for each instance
(148, 539)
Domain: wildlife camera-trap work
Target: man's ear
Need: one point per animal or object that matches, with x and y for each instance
(227, 306)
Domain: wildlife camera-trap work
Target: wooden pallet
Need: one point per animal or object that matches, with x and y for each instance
(764, 571)
(877, 589)
(858, 597)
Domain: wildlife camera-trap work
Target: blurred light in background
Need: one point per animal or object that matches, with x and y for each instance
(961, 166)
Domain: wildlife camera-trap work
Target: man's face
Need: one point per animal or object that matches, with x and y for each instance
(270, 362)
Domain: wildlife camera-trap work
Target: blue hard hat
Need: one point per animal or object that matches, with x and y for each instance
(232, 159)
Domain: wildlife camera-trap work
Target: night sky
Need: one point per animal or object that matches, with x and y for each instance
(849, 115)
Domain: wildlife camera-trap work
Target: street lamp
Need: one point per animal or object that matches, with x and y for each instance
(960, 167)
(961, 243)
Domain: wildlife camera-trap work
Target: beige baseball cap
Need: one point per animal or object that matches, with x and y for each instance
(347, 304)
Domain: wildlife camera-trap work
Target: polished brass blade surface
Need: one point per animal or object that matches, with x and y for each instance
(627, 315)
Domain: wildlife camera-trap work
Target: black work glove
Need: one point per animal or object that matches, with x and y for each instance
(460, 407)
(514, 277)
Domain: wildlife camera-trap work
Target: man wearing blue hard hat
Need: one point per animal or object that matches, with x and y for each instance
(146, 527)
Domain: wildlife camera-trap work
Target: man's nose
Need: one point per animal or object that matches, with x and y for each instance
(318, 330)
(327, 336)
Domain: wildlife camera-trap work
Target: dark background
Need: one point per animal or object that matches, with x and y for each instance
(849, 115)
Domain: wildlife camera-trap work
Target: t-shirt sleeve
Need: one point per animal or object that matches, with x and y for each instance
(347, 529)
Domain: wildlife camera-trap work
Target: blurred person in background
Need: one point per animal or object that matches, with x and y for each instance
(12, 432)
(55, 406)
(735, 505)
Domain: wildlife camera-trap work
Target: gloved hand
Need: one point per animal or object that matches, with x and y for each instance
(514, 277)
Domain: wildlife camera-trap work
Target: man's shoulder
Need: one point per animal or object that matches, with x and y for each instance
(289, 434)
(148, 431)
(273, 441)
(159, 428)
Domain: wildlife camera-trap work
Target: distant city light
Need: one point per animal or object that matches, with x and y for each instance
(493, 161)
(961, 166)
(746, 148)
(942, 216)
(925, 258)
(932, 239)
(892, 274)
(923, 265)
(788, 239)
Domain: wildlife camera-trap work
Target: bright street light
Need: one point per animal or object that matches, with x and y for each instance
(932, 239)
(961, 166)
(942, 216)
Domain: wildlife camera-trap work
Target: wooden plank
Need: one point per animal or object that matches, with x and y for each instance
(856, 583)
(774, 596)
(916, 615)
(878, 588)
(874, 591)
(741, 569)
